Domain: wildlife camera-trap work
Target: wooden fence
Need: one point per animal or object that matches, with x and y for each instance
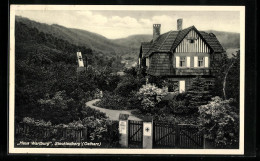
(32, 133)
(49, 133)
(166, 135)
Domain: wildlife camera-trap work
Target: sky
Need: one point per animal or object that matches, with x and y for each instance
(115, 24)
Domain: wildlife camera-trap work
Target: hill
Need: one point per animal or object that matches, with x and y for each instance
(77, 37)
(133, 41)
(229, 40)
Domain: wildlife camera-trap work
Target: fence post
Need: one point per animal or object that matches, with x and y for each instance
(123, 130)
(148, 133)
(204, 142)
(85, 133)
(178, 144)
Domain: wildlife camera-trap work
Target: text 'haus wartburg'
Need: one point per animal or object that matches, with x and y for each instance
(178, 56)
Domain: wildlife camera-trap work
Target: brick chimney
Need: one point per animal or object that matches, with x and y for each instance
(179, 24)
(156, 31)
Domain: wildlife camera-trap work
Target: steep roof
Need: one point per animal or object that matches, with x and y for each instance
(168, 41)
(212, 41)
(145, 46)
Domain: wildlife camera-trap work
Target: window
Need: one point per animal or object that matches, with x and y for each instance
(191, 41)
(182, 86)
(182, 61)
(200, 61)
(147, 62)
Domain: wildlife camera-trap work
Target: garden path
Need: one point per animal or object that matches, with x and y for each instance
(112, 114)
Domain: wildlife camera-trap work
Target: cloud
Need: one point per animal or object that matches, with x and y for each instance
(116, 26)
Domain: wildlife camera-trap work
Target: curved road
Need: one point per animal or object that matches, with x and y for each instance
(111, 114)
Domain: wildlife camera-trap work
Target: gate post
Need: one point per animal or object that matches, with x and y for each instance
(148, 133)
(123, 130)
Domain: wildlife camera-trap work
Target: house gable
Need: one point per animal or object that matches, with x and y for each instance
(192, 43)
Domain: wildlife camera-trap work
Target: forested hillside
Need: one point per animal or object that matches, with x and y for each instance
(46, 84)
(96, 42)
(229, 40)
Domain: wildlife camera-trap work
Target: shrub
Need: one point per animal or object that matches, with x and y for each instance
(221, 122)
(179, 104)
(128, 85)
(150, 96)
(31, 121)
(102, 130)
(87, 112)
(117, 102)
(112, 101)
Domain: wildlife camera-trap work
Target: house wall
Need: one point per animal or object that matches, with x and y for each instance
(160, 64)
(191, 55)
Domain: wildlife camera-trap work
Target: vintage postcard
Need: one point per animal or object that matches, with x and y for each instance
(126, 79)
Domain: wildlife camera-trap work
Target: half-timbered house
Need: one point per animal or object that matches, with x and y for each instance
(178, 56)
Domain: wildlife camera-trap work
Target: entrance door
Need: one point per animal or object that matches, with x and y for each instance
(182, 86)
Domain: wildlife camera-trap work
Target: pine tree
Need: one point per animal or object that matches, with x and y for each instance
(198, 94)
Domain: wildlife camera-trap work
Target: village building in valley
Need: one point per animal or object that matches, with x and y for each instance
(178, 56)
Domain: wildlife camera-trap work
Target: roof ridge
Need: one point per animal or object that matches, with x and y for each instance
(165, 39)
(188, 28)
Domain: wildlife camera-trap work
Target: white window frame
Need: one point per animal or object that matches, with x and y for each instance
(177, 61)
(206, 61)
(188, 62)
(195, 61)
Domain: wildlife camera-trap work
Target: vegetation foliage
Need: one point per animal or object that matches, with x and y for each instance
(220, 122)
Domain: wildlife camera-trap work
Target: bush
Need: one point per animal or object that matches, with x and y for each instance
(179, 104)
(112, 101)
(220, 121)
(87, 112)
(128, 85)
(150, 96)
(118, 102)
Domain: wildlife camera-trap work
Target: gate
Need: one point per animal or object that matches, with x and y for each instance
(135, 136)
(176, 136)
(190, 137)
(164, 135)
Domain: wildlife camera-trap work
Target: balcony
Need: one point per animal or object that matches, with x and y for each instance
(192, 71)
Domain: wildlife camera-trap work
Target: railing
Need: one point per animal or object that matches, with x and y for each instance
(192, 71)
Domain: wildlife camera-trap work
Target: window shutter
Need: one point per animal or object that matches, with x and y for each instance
(188, 61)
(147, 62)
(195, 61)
(177, 61)
(182, 86)
(206, 61)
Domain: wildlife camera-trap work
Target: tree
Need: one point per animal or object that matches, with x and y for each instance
(198, 94)
(220, 121)
(233, 79)
(228, 78)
